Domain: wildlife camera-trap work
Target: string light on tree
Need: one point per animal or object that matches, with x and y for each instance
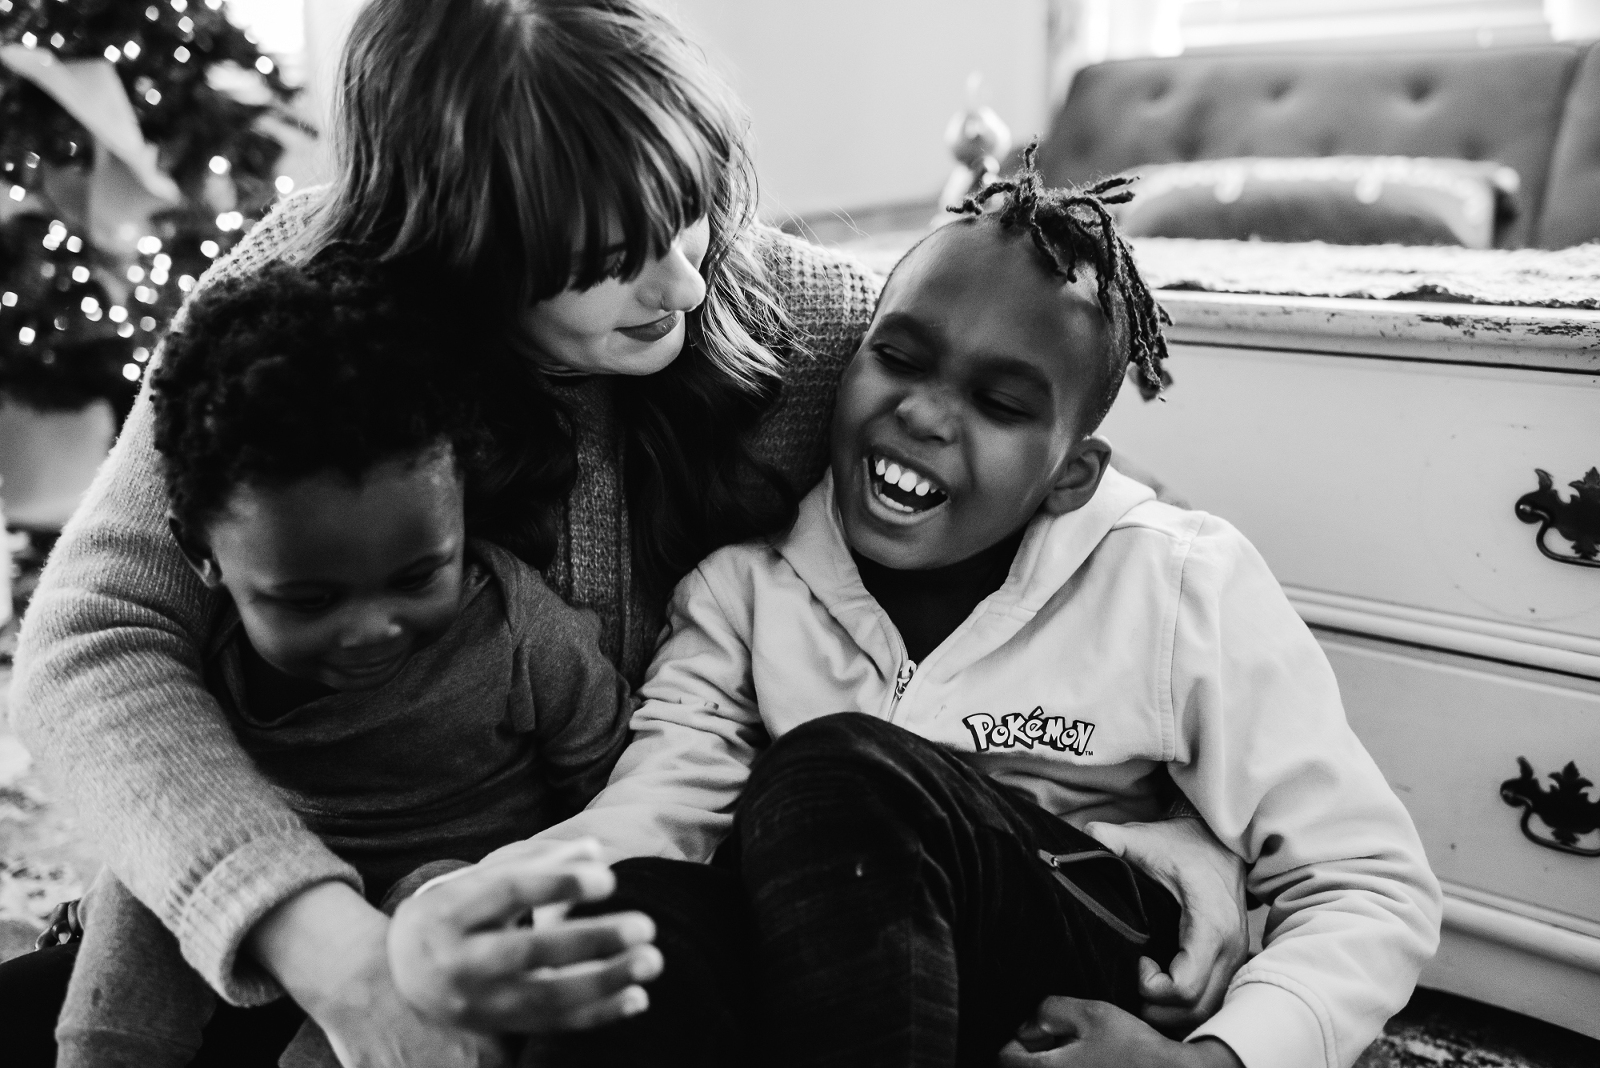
(78, 319)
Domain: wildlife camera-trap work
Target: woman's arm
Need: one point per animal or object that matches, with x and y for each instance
(108, 696)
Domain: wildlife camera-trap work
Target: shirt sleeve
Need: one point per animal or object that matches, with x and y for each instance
(107, 695)
(580, 702)
(1266, 755)
(695, 736)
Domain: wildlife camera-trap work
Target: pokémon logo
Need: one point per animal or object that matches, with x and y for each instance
(1028, 729)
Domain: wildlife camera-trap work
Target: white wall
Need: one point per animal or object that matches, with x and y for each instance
(849, 98)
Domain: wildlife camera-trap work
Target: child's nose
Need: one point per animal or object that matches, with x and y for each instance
(371, 628)
(924, 414)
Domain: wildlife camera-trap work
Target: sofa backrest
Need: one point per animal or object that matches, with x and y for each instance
(1501, 104)
(1571, 213)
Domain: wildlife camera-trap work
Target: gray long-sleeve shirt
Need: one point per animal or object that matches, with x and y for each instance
(508, 722)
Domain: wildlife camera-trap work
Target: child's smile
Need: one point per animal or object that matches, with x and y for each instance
(898, 486)
(961, 414)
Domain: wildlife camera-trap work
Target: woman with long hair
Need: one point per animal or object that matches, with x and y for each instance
(574, 182)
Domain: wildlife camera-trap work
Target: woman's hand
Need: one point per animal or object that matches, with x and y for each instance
(1208, 881)
(328, 948)
(458, 958)
(1069, 1033)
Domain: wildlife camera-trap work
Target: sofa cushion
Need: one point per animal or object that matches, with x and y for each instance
(1344, 200)
(1490, 104)
(1571, 214)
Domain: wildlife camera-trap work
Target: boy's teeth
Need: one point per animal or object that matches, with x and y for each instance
(922, 489)
(878, 466)
(907, 481)
(892, 474)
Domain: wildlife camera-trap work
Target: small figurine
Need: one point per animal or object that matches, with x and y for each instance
(977, 138)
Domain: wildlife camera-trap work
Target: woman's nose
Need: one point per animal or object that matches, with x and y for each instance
(673, 282)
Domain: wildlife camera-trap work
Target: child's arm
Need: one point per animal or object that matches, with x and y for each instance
(694, 737)
(1264, 752)
(565, 692)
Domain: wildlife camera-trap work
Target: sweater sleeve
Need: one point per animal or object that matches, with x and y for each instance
(829, 297)
(695, 736)
(1264, 752)
(107, 695)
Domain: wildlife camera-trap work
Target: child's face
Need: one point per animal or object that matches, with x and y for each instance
(975, 377)
(339, 582)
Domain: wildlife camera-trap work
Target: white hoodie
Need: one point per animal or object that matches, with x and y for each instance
(1128, 635)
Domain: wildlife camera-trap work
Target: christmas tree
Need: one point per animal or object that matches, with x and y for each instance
(133, 153)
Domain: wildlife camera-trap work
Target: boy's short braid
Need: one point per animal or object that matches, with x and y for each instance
(1074, 225)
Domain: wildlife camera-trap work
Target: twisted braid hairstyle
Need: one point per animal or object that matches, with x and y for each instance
(1072, 228)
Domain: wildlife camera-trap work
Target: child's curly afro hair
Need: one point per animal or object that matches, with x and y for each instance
(299, 369)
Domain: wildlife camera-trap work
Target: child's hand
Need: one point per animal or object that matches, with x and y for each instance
(458, 958)
(63, 928)
(1213, 940)
(1069, 1033)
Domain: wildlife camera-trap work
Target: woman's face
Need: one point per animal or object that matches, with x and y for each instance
(631, 326)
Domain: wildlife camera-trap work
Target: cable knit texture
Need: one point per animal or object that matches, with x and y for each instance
(107, 691)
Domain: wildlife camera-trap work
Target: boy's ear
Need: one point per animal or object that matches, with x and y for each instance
(197, 552)
(1079, 476)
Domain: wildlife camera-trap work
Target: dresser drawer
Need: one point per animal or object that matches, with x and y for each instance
(1385, 481)
(1447, 732)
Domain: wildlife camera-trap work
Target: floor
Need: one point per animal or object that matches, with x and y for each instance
(43, 860)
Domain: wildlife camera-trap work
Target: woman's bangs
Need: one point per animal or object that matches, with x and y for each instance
(643, 188)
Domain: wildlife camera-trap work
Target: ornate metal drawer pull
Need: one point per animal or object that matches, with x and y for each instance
(1564, 807)
(1577, 520)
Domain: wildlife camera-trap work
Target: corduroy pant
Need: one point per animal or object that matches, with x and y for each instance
(879, 903)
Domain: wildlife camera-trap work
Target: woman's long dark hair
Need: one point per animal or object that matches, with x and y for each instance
(497, 140)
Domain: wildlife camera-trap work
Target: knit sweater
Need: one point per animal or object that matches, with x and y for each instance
(108, 695)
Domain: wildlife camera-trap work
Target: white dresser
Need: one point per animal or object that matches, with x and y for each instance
(1376, 452)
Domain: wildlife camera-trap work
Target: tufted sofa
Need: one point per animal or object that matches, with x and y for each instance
(1536, 109)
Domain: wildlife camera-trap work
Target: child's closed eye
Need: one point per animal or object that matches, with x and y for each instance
(896, 362)
(305, 603)
(1004, 407)
(413, 581)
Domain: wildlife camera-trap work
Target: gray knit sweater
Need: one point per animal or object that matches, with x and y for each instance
(107, 692)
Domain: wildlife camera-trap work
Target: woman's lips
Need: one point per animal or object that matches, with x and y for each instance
(654, 331)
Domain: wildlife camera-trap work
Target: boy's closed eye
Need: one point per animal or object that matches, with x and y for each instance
(897, 362)
(414, 580)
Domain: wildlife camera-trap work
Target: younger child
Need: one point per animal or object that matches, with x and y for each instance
(1025, 642)
(417, 697)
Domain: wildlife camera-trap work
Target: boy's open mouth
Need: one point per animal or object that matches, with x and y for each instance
(900, 488)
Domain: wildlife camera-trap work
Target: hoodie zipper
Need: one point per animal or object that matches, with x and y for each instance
(902, 679)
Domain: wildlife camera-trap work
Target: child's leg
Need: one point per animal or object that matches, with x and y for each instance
(132, 1000)
(903, 913)
(700, 1005)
